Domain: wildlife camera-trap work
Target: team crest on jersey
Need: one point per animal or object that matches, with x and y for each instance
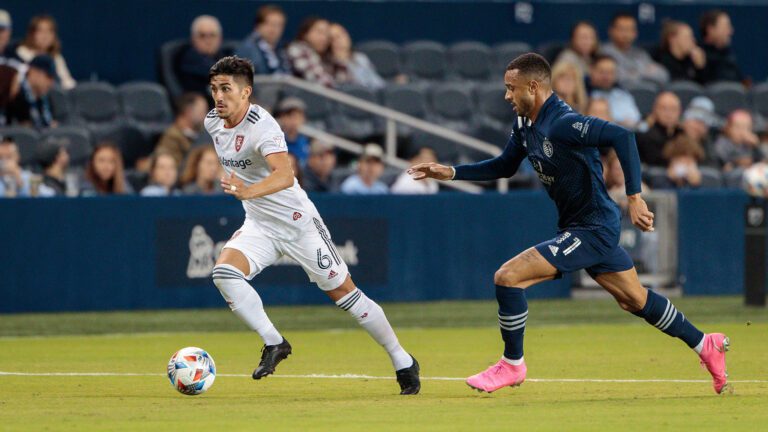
(239, 142)
(296, 216)
(548, 150)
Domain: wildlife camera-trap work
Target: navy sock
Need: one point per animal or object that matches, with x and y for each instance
(662, 314)
(513, 312)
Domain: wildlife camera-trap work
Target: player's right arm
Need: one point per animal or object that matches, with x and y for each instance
(502, 166)
(281, 177)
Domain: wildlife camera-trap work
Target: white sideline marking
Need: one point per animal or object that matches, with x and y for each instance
(371, 377)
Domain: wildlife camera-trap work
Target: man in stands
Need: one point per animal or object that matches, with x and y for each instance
(5, 34)
(603, 85)
(31, 106)
(14, 181)
(191, 109)
(663, 125)
(320, 166)
(193, 64)
(634, 64)
(369, 170)
(716, 33)
(738, 145)
(290, 114)
(52, 155)
(261, 46)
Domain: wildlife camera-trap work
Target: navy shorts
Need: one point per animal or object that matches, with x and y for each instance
(596, 251)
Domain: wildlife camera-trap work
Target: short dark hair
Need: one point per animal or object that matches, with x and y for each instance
(233, 65)
(186, 100)
(708, 19)
(600, 57)
(307, 25)
(532, 64)
(265, 11)
(621, 14)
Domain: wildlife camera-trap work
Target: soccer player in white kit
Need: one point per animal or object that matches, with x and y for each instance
(279, 220)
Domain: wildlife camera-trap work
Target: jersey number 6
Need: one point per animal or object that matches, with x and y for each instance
(323, 261)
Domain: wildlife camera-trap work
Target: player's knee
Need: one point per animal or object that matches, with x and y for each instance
(229, 280)
(506, 276)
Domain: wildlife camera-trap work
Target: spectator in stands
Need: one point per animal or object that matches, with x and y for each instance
(42, 39)
(163, 174)
(662, 125)
(355, 66)
(613, 175)
(297, 171)
(202, 172)
(369, 170)
(308, 52)
(191, 109)
(738, 146)
(602, 83)
(6, 50)
(568, 83)
(679, 53)
(699, 119)
(634, 64)
(194, 62)
(583, 47)
(600, 108)
(716, 32)
(290, 115)
(32, 106)
(10, 84)
(684, 155)
(104, 174)
(405, 184)
(262, 45)
(320, 166)
(14, 181)
(53, 157)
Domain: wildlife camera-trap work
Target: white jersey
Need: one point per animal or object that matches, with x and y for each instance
(243, 150)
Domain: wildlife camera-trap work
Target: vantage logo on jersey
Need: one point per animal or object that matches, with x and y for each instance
(232, 163)
(239, 142)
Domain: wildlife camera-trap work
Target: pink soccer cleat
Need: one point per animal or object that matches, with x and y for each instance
(713, 358)
(502, 374)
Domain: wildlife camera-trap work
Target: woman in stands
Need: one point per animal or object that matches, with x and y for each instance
(42, 38)
(356, 66)
(582, 48)
(568, 83)
(202, 172)
(104, 173)
(308, 54)
(163, 174)
(679, 53)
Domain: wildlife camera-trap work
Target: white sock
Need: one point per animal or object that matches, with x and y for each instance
(245, 302)
(517, 362)
(371, 317)
(700, 346)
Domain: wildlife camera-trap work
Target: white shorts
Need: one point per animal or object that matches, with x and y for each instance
(314, 251)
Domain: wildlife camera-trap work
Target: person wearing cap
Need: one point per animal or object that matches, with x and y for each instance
(290, 115)
(42, 39)
(738, 146)
(53, 157)
(5, 34)
(319, 170)
(699, 119)
(32, 106)
(370, 167)
(14, 181)
(662, 124)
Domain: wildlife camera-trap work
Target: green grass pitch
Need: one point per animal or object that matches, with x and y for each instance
(590, 367)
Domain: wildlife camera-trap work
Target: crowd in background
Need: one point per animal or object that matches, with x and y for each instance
(590, 76)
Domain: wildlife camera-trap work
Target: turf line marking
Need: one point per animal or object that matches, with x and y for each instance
(372, 377)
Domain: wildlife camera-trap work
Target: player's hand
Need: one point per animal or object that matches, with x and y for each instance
(232, 185)
(639, 213)
(431, 170)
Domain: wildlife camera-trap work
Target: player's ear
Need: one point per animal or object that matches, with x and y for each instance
(247, 91)
(533, 85)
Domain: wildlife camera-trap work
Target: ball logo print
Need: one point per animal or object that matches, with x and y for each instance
(239, 142)
(191, 371)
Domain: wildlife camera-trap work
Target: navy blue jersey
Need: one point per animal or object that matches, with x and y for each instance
(562, 147)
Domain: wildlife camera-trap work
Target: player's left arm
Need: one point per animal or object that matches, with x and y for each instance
(590, 131)
(282, 177)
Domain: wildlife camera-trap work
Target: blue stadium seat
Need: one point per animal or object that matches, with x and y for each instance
(452, 106)
(410, 99)
(550, 50)
(426, 60)
(167, 55)
(711, 177)
(319, 108)
(384, 55)
(61, 106)
(76, 139)
(685, 90)
(759, 95)
(146, 105)
(471, 61)
(353, 123)
(506, 52)
(732, 178)
(727, 96)
(26, 140)
(645, 95)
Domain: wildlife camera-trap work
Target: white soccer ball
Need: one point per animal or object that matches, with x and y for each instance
(191, 371)
(755, 180)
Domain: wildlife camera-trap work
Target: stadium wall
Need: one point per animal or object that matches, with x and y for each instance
(118, 41)
(139, 253)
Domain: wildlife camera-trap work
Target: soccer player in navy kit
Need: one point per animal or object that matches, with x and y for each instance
(562, 146)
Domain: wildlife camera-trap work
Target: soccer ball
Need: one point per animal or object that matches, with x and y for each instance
(755, 180)
(191, 371)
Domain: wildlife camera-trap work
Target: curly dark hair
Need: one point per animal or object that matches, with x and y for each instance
(233, 65)
(532, 65)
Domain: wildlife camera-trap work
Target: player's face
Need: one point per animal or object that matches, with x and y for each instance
(520, 92)
(229, 95)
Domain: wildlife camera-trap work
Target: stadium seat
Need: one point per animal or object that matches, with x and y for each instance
(732, 178)
(685, 90)
(146, 105)
(645, 95)
(759, 96)
(267, 95)
(61, 106)
(727, 96)
(353, 123)
(410, 99)
(506, 52)
(654, 176)
(77, 140)
(550, 50)
(447, 151)
(471, 61)
(167, 56)
(319, 108)
(425, 60)
(26, 140)
(710, 177)
(452, 106)
(384, 55)
(491, 103)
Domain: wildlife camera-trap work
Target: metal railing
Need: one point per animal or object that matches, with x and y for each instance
(392, 118)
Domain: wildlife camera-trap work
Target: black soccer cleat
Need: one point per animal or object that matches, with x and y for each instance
(271, 356)
(408, 379)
